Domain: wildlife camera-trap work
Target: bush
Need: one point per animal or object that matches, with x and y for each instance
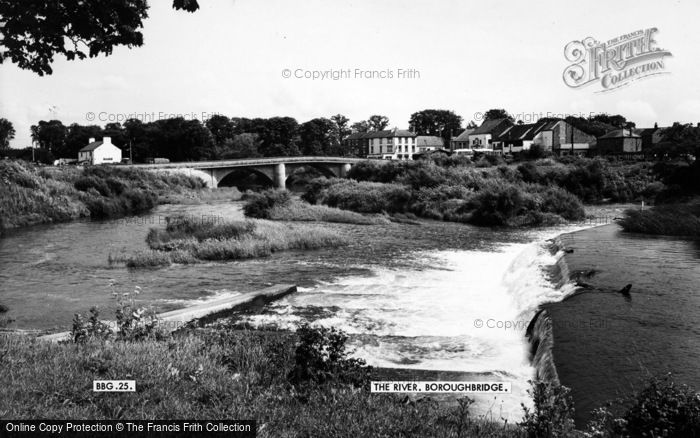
(320, 357)
(496, 205)
(552, 414)
(665, 409)
(671, 220)
(662, 409)
(258, 205)
(362, 197)
(87, 182)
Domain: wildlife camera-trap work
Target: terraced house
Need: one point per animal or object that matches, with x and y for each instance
(553, 135)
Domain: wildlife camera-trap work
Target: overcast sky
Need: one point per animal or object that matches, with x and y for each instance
(229, 58)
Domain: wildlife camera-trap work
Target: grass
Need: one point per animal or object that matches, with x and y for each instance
(210, 375)
(187, 240)
(32, 195)
(292, 384)
(665, 219)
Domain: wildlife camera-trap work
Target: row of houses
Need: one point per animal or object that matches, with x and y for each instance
(502, 136)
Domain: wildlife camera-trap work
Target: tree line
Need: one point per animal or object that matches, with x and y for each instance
(221, 137)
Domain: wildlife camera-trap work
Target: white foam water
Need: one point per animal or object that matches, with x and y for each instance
(464, 311)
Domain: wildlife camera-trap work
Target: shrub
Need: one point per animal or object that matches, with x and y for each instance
(671, 219)
(84, 329)
(320, 357)
(258, 205)
(363, 197)
(552, 413)
(87, 182)
(497, 204)
(662, 409)
(666, 409)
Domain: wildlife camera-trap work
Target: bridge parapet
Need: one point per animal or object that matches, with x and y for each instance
(275, 169)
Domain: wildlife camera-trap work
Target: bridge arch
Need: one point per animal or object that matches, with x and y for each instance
(225, 175)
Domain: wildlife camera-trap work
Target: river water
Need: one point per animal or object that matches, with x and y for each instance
(434, 296)
(606, 346)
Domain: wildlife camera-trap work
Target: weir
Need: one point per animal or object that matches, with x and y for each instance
(539, 333)
(205, 312)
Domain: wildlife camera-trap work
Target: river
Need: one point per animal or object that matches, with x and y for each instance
(434, 296)
(606, 346)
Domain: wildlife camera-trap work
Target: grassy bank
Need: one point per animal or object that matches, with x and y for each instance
(293, 384)
(665, 219)
(189, 240)
(219, 375)
(32, 195)
(281, 205)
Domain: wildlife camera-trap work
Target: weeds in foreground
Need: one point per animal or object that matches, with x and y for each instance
(132, 323)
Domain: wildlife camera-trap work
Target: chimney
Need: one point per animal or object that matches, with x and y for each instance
(92, 140)
(107, 140)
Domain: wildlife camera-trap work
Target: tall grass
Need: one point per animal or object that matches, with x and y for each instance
(187, 240)
(212, 375)
(255, 375)
(671, 220)
(31, 195)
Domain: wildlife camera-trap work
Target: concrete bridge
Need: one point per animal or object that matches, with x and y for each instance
(274, 169)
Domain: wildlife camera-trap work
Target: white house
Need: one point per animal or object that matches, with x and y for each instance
(394, 144)
(100, 152)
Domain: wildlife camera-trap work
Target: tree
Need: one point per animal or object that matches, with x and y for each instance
(341, 124)
(616, 120)
(341, 131)
(240, 146)
(377, 122)
(278, 135)
(136, 140)
(221, 127)
(179, 139)
(472, 125)
(50, 135)
(497, 113)
(440, 123)
(117, 133)
(7, 133)
(33, 32)
(362, 127)
(317, 137)
(77, 137)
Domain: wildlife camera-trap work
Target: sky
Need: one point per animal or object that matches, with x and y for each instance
(230, 58)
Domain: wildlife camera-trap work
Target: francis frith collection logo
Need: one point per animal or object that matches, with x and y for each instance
(616, 62)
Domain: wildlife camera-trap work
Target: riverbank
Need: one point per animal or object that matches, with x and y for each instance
(31, 195)
(665, 219)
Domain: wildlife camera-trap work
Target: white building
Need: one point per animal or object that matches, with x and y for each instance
(394, 144)
(100, 152)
